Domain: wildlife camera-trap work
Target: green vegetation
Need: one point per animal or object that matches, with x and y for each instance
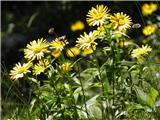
(104, 75)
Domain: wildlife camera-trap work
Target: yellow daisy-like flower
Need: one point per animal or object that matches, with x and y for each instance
(89, 50)
(148, 9)
(87, 40)
(77, 26)
(20, 70)
(149, 29)
(140, 52)
(66, 67)
(59, 43)
(73, 52)
(97, 16)
(36, 49)
(121, 21)
(41, 66)
(56, 53)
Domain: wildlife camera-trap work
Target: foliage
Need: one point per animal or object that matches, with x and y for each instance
(110, 77)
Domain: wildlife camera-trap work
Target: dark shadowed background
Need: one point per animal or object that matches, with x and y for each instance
(26, 21)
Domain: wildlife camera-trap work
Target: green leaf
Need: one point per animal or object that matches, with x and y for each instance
(76, 93)
(129, 63)
(93, 107)
(106, 84)
(152, 98)
(92, 100)
(76, 80)
(94, 111)
(141, 95)
(32, 104)
(132, 106)
(157, 103)
(147, 98)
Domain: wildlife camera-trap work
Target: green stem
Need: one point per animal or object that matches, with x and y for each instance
(113, 74)
(83, 92)
(101, 81)
(113, 116)
(73, 101)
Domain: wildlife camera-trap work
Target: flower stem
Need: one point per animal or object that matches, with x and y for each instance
(101, 81)
(83, 92)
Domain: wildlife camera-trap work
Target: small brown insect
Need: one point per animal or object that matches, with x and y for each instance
(51, 31)
(136, 25)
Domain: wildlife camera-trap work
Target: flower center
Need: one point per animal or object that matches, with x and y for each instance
(121, 21)
(37, 50)
(88, 40)
(21, 70)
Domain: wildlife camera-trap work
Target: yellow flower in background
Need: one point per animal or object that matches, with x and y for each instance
(140, 52)
(73, 52)
(97, 16)
(77, 26)
(56, 53)
(87, 40)
(89, 50)
(36, 49)
(59, 43)
(66, 67)
(41, 66)
(148, 9)
(20, 70)
(121, 21)
(149, 29)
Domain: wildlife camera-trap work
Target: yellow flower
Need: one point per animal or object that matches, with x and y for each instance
(59, 43)
(77, 26)
(36, 49)
(87, 40)
(20, 70)
(41, 66)
(56, 53)
(66, 67)
(121, 21)
(149, 29)
(89, 50)
(73, 52)
(140, 52)
(148, 9)
(97, 16)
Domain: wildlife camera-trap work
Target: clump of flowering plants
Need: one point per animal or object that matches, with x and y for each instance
(101, 77)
